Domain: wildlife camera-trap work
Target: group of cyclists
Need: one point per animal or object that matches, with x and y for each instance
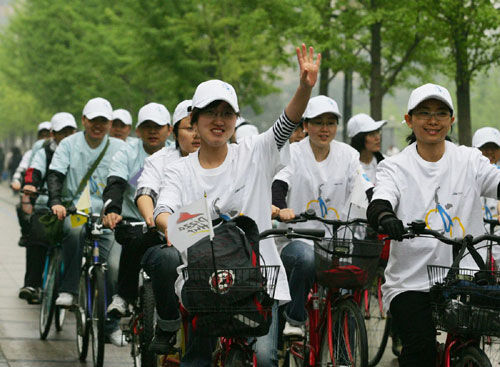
(293, 166)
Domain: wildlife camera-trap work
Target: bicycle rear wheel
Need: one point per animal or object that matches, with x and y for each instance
(376, 321)
(472, 356)
(82, 314)
(98, 316)
(47, 306)
(344, 340)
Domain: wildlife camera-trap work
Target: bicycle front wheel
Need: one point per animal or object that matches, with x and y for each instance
(376, 321)
(98, 316)
(148, 358)
(472, 356)
(47, 306)
(82, 315)
(344, 340)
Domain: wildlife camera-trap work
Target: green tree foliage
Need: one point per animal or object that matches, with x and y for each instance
(468, 35)
(60, 53)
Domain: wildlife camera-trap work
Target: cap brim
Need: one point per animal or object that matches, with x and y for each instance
(93, 115)
(308, 116)
(432, 96)
(484, 141)
(206, 102)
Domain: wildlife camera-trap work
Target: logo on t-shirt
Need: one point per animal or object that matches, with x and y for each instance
(450, 224)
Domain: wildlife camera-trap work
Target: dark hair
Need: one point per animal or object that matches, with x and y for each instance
(176, 133)
(358, 143)
(195, 113)
(411, 138)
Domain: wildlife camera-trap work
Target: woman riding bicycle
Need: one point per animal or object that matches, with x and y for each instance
(440, 182)
(321, 175)
(237, 177)
(365, 135)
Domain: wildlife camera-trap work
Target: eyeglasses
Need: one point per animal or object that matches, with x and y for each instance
(426, 115)
(321, 123)
(224, 115)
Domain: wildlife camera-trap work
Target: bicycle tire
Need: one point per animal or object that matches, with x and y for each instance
(48, 295)
(344, 340)
(148, 358)
(82, 317)
(472, 356)
(60, 318)
(98, 316)
(376, 320)
(238, 357)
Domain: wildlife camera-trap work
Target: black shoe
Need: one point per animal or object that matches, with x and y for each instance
(27, 293)
(23, 241)
(163, 341)
(36, 299)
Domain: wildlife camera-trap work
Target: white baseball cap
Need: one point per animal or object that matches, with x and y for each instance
(429, 91)
(244, 129)
(486, 135)
(363, 123)
(182, 110)
(46, 125)
(98, 107)
(319, 105)
(122, 115)
(155, 112)
(61, 120)
(215, 90)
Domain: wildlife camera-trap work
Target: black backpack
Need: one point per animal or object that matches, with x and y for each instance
(227, 298)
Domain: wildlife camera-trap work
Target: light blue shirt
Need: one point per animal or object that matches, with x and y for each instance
(128, 164)
(34, 149)
(74, 157)
(39, 162)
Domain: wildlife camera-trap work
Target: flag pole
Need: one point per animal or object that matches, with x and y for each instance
(211, 237)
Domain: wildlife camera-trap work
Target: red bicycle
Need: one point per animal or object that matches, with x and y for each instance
(335, 332)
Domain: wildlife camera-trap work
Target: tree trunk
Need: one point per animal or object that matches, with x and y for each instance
(376, 94)
(463, 109)
(324, 75)
(347, 111)
(462, 81)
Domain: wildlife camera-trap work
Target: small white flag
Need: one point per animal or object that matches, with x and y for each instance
(189, 224)
(358, 194)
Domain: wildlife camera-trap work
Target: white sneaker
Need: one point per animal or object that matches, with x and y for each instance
(118, 307)
(64, 299)
(117, 338)
(291, 330)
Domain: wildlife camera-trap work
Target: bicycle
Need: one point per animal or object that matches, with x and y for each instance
(457, 300)
(52, 271)
(139, 324)
(378, 323)
(90, 310)
(491, 345)
(335, 333)
(233, 349)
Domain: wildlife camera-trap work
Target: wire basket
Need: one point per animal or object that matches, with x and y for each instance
(231, 302)
(347, 263)
(226, 290)
(465, 301)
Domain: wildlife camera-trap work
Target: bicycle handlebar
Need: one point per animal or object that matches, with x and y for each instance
(310, 214)
(307, 233)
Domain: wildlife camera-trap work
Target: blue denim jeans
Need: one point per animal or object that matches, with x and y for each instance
(199, 349)
(160, 263)
(298, 260)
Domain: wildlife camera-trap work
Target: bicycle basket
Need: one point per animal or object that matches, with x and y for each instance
(347, 263)
(460, 305)
(230, 302)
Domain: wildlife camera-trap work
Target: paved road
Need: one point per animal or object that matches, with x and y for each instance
(20, 345)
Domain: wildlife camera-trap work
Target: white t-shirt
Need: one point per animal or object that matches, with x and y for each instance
(331, 181)
(155, 166)
(415, 187)
(370, 170)
(240, 185)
